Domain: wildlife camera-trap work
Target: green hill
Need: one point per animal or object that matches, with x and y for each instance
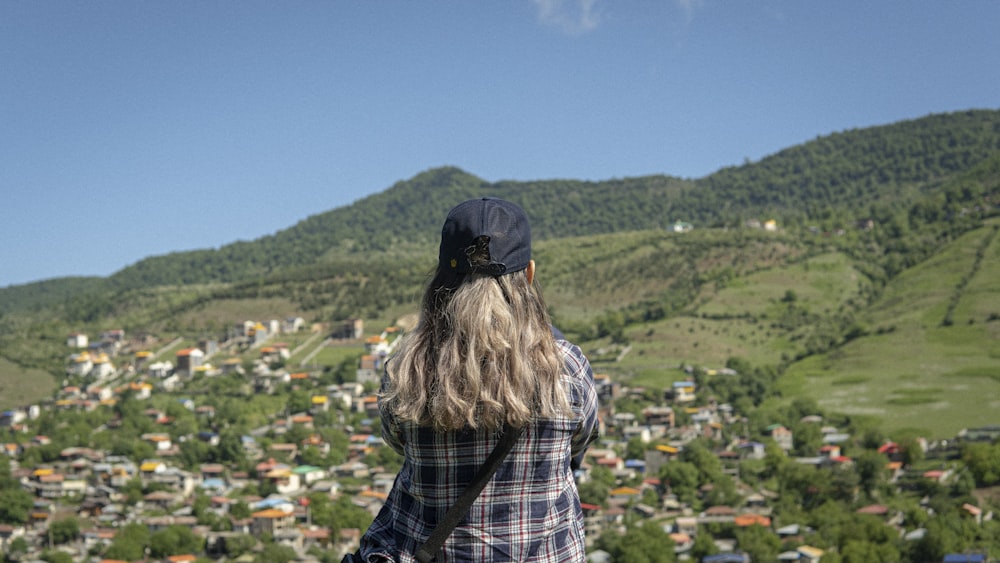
(872, 294)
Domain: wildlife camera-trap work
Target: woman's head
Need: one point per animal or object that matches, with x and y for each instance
(496, 231)
(483, 352)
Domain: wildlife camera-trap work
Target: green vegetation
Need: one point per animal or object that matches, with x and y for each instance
(875, 294)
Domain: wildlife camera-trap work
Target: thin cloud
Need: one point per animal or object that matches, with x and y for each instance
(574, 17)
(688, 7)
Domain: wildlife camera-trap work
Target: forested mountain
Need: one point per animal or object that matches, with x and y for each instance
(849, 280)
(901, 193)
(884, 173)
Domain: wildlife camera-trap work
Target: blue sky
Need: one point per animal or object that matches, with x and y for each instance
(131, 129)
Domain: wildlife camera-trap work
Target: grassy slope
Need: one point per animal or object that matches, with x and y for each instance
(708, 338)
(917, 374)
(909, 371)
(20, 386)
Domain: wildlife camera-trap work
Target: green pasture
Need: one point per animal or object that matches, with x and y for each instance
(20, 386)
(336, 354)
(820, 284)
(914, 372)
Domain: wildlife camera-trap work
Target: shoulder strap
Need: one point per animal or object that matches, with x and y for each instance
(427, 552)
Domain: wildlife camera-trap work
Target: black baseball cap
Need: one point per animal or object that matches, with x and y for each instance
(505, 224)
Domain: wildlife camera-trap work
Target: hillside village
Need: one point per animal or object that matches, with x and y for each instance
(178, 477)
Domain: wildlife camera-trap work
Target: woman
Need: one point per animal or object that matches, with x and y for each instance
(483, 355)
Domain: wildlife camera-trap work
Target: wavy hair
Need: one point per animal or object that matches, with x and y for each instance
(482, 354)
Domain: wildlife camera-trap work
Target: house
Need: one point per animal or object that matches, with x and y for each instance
(684, 391)
(320, 403)
(875, 509)
(989, 433)
(149, 468)
(293, 324)
(209, 346)
(80, 364)
(160, 370)
(161, 442)
(284, 480)
(937, 475)
(12, 417)
(367, 371)
(189, 359)
(681, 227)
(783, 437)
(309, 474)
(270, 521)
(77, 340)
(255, 332)
(351, 329)
(659, 415)
(102, 367)
(965, 558)
(751, 450)
(732, 557)
(233, 365)
(160, 499)
(142, 358)
(747, 520)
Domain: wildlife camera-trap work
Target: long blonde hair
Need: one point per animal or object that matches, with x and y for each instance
(482, 354)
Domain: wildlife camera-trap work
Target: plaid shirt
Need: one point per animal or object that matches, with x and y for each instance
(529, 511)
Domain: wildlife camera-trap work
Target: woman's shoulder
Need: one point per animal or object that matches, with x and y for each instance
(573, 356)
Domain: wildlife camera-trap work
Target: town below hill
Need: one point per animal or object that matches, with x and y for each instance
(263, 445)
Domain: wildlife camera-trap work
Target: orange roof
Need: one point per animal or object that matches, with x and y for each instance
(624, 491)
(271, 513)
(745, 520)
(301, 375)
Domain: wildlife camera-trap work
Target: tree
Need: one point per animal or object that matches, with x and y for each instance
(15, 505)
(703, 545)
(759, 542)
(647, 543)
(681, 478)
(276, 553)
(55, 556)
(65, 530)
(175, 540)
(18, 546)
(240, 510)
(130, 543)
(635, 449)
(870, 467)
(594, 492)
(239, 545)
(869, 552)
(983, 460)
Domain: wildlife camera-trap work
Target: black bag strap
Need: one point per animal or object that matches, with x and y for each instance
(427, 552)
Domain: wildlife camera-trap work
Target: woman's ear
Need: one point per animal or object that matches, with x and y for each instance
(530, 271)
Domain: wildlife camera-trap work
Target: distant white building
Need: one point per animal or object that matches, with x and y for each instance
(294, 324)
(77, 340)
(102, 367)
(80, 364)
